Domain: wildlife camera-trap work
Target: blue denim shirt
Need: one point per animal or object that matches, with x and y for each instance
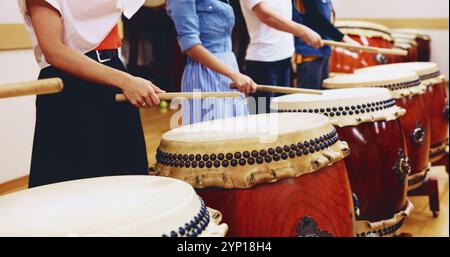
(325, 8)
(206, 22)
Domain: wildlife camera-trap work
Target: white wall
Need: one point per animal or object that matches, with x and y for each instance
(17, 115)
(404, 9)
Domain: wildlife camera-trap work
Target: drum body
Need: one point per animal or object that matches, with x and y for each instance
(416, 127)
(438, 107)
(424, 48)
(367, 34)
(435, 98)
(292, 185)
(377, 166)
(408, 90)
(345, 61)
(372, 167)
(315, 205)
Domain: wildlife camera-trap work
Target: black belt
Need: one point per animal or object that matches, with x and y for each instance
(103, 55)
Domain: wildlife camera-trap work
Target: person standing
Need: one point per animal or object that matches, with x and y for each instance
(82, 132)
(204, 30)
(312, 63)
(271, 47)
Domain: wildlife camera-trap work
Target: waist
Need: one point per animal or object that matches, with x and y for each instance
(102, 56)
(223, 56)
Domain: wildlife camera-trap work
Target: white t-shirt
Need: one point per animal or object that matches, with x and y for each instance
(86, 23)
(266, 43)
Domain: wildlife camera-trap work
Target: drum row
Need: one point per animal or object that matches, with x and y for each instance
(416, 43)
(333, 165)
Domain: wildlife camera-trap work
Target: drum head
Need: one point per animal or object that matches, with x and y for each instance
(364, 28)
(111, 206)
(425, 70)
(400, 84)
(344, 107)
(245, 151)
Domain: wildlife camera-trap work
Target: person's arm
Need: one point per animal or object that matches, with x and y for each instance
(276, 21)
(244, 83)
(187, 24)
(48, 28)
(323, 24)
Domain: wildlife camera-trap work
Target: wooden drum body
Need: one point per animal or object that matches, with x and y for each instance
(378, 167)
(367, 34)
(435, 100)
(438, 106)
(416, 126)
(295, 207)
(287, 181)
(408, 91)
(377, 160)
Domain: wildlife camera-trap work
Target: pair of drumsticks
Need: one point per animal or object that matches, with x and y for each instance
(49, 86)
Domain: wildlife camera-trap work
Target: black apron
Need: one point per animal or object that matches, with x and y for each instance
(83, 133)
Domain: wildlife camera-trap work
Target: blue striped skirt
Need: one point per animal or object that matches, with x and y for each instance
(198, 78)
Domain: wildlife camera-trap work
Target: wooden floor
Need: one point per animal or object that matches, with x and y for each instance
(419, 224)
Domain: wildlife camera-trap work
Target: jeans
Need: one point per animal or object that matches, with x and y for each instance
(267, 73)
(311, 74)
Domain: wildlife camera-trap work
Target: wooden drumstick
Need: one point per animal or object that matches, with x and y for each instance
(38, 87)
(285, 90)
(188, 96)
(369, 49)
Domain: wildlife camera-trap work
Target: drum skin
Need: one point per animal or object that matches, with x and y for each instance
(437, 104)
(376, 148)
(415, 118)
(321, 201)
(342, 62)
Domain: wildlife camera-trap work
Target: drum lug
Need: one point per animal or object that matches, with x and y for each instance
(356, 204)
(402, 167)
(418, 134)
(307, 227)
(381, 58)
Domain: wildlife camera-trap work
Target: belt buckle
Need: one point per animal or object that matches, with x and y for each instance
(99, 58)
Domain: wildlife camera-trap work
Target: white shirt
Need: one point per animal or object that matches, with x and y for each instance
(86, 23)
(266, 43)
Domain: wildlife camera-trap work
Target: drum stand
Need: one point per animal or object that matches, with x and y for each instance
(429, 188)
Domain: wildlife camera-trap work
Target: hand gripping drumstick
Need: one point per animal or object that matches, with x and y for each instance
(285, 90)
(188, 96)
(368, 49)
(38, 87)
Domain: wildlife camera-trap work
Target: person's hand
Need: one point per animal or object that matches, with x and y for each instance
(141, 92)
(311, 37)
(243, 83)
(350, 41)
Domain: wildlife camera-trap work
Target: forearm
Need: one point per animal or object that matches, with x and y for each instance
(280, 23)
(200, 54)
(81, 66)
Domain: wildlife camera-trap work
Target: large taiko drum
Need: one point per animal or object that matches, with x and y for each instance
(436, 99)
(270, 175)
(128, 206)
(366, 33)
(368, 120)
(423, 41)
(409, 93)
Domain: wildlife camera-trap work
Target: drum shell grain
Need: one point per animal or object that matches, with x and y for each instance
(375, 150)
(276, 209)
